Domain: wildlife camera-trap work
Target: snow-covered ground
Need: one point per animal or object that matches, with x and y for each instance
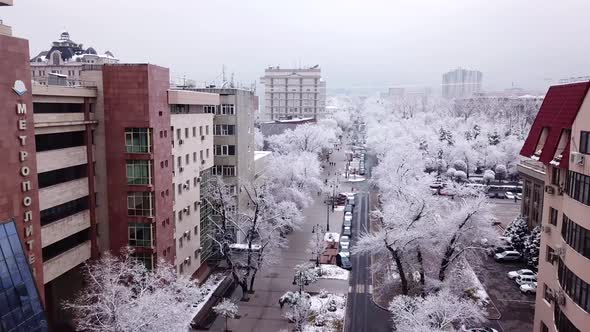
(332, 320)
(479, 292)
(352, 178)
(333, 272)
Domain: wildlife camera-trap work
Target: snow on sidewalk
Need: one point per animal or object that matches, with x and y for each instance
(331, 319)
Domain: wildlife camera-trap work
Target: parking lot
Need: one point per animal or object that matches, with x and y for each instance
(516, 309)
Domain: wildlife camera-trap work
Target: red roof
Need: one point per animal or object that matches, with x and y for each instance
(558, 112)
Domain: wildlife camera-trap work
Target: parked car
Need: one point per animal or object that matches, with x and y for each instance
(518, 195)
(348, 208)
(478, 329)
(521, 280)
(508, 256)
(530, 288)
(344, 242)
(509, 195)
(522, 272)
(348, 214)
(347, 231)
(362, 171)
(347, 222)
(505, 239)
(343, 261)
(350, 201)
(500, 249)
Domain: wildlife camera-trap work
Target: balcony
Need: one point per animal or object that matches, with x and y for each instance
(62, 193)
(61, 158)
(65, 227)
(61, 264)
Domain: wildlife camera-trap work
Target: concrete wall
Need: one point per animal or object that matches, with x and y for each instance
(65, 227)
(62, 193)
(59, 265)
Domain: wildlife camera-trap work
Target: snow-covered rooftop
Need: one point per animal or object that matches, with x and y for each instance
(261, 154)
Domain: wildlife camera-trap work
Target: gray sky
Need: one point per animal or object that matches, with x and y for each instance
(365, 43)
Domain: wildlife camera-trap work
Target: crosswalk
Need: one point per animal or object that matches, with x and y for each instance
(360, 289)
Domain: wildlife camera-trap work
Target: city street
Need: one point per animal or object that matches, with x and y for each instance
(262, 312)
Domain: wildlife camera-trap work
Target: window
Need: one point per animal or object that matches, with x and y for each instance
(139, 172)
(225, 150)
(227, 109)
(140, 203)
(179, 161)
(194, 157)
(577, 289)
(46, 142)
(553, 216)
(201, 154)
(224, 170)
(210, 109)
(194, 131)
(200, 130)
(549, 254)
(555, 176)
(187, 158)
(207, 130)
(576, 236)
(185, 132)
(146, 258)
(585, 142)
(140, 234)
(137, 140)
(62, 175)
(207, 153)
(223, 130)
(179, 188)
(577, 187)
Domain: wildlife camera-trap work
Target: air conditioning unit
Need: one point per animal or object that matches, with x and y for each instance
(202, 137)
(186, 260)
(203, 161)
(199, 179)
(185, 209)
(547, 229)
(550, 295)
(185, 186)
(576, 158)
(180, 142)
(560, 251)
(560, 190)
(181, 169)
(549, 189)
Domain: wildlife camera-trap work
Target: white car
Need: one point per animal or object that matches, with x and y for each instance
(522, 272)
(508, 256)
(478, 329)
(344, 240)
(521, 280)
(348, 214)
(509, 195)
(530, 288)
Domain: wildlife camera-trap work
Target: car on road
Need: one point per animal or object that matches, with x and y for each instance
(350, 201)
(348, 208)
(343, 261)
(478, 329)
(508, 256)
(345, 240)
(522, 272)
(500, 249)
(509, 195)
(521, 280)
(348, 215)
(347, 231)
(362, 171)
(518, 195)
(530, 288)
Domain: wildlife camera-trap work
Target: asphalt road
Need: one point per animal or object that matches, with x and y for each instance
(361, 312)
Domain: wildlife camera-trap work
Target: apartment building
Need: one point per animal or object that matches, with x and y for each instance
(461, 83)
(233, 137)
(293, 93)
(532, 173)
(560, 139)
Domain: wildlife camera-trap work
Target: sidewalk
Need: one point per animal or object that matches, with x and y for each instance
(262, 313)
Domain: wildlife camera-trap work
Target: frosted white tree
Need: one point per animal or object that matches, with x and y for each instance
(304, 138)
(501, 172)
(299, 308)
(122, 295)
(260, 225)
(226, 309)
(438, 312)
(489, 176)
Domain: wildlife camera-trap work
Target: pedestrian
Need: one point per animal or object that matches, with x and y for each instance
(514, 198)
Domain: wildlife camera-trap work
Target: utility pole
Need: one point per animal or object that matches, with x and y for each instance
(328, 215)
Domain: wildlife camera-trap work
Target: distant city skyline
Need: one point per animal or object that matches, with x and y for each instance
(390, 44)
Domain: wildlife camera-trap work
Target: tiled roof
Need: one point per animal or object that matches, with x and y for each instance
(558, 112)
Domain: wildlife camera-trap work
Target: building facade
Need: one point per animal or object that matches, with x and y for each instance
(560, 139)
(532, 174)
(293, 93)
(461, 82)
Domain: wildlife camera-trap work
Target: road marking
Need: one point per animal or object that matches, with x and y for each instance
(360, 288)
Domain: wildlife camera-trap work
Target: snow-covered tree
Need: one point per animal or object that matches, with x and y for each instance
(226, 309)
(517, 231)
(501, 172)
(317, 245)
(121, 294)
(260, 225)
(460, 165)
(532, 244)
(438, 312)
(460, 176)
(304, 138)
(488, 176)
(299, 308)
(258, 139)
(451, 172)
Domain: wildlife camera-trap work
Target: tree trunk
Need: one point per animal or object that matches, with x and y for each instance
(444, 264)
(400, 269)
(421, 264)
(251, 291)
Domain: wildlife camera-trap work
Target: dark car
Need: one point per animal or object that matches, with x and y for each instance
(499, 249)
(343, 261)
(347, 231)
(348, 208)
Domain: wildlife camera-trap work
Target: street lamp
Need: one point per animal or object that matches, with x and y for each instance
(301, 280)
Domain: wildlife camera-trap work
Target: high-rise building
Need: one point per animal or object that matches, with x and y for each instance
(293, 93)
(461, 82)
(560, 140)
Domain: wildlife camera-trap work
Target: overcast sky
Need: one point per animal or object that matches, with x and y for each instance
(366, 43)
